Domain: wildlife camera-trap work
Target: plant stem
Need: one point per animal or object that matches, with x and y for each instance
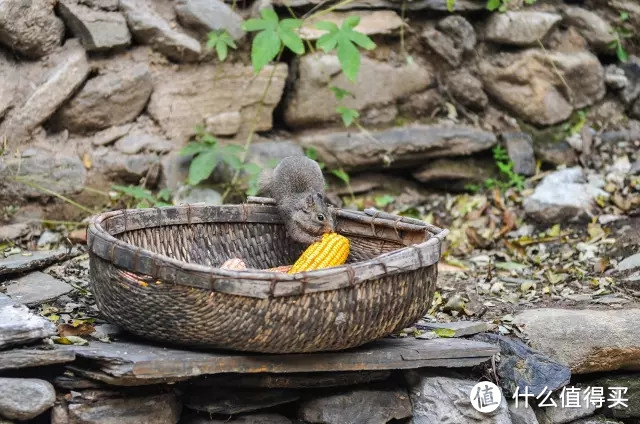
(330, 9)
(52, 193)
(252, 129)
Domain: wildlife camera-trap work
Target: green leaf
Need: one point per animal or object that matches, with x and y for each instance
(382, 201)
(624, 16)
(362, 40)
(136, 192)
(252, 168)
(451, 5)
(265, 47)
(351, 22)
(349, 58)
(348, 115)
(340, 93)
(193, 149)
(270, 16)
(327, 26)
(221, 41)
(311, 153)
(341, 174)
(202, 166)
(254, 25)
(493, 4)
(622, 54)
(289, 37)
(445, 332)
(164, 194)
(327, 42)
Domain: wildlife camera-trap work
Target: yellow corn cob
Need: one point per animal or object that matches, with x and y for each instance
(332, 250)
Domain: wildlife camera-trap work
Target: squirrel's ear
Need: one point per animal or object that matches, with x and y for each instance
(308, 203)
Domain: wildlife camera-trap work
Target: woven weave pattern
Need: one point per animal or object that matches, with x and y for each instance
(372, 303)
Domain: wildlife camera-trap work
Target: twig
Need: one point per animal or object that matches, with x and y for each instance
(557, 71)
(52, 193)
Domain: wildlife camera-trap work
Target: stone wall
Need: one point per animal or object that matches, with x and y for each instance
(95, 92)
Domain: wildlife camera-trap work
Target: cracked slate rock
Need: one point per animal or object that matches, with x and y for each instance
(36, 288)
(443, 399)
(563, 195)
(410, 145)
(27, 261)
(19, 326)
(97, 30)
(113, 98)
(586, 340)
(30, 27)
(451, 39)
(519, 28)
(360, 406)
(149, 28)
(25, 398)
(522, 366)
(209, 15)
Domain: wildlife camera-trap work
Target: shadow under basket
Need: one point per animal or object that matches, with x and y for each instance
(155, 272)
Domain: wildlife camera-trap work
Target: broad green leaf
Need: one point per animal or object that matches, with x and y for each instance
(202, 166)
(289, 37)
(327, 42)
(252, 168)
(234, 149)
(348, 115)
(232, 160)
(270, 16)
(493, 4)
(164, 194)
(194, 148)
(340, 173)
(622, 54)
(349, 58)
(212, 39)
(362, 40)
(221, 49)
(311, 153)
(264, 49)
(135, 192)
(254, 25)
(351, 22)
(327, 26)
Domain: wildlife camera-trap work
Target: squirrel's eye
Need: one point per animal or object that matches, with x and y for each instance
(320, 217)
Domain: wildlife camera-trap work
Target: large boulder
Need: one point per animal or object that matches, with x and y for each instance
(186, 97)
(25, 398)
(397, 147)
(378, 84)
(112, 98)
(209, 15)
(69, 69)
(520, 28)
(588, 341)
(543, 87)
(561, 196)
(149, 28)
(30, 27)
(97, 30)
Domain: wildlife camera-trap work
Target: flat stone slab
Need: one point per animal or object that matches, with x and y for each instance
(27, 261)
(19, 326)
(138, 364)
(36, 288)
(25, 358)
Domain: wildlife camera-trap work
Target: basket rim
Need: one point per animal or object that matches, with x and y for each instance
(251, 282)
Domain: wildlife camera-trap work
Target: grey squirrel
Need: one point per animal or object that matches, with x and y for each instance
(297, 185)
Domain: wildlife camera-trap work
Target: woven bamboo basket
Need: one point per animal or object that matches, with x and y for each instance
(155, 272)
